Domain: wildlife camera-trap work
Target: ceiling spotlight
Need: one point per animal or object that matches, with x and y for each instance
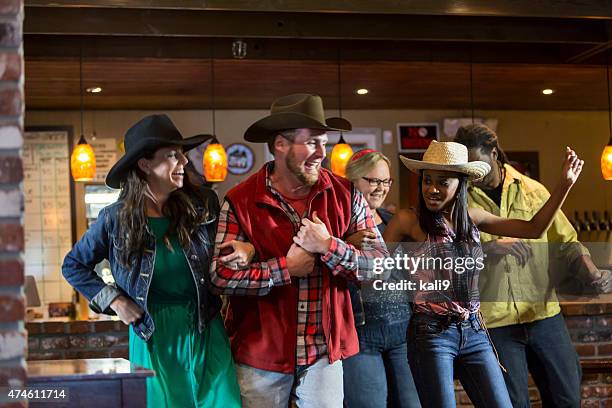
(93, 89)
(548, 91)
(362, 91)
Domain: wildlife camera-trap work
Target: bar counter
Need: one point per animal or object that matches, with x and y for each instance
(90, 382)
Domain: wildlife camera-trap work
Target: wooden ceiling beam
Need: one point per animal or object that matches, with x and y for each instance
(508, 8)
(590, 53)
(45, 46)
(251, 84)
(595, 51)
(328, 26)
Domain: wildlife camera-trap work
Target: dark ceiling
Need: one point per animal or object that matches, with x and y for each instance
(156, 54)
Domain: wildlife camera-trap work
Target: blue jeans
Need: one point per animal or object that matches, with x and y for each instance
(438, 350)
(380, 376)
(315, 386)
(545, 349)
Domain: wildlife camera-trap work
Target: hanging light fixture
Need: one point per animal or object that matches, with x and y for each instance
(340, 156)
(83, 159)
(215, 158)
(215, 162)
(342, 151)
(606, 155)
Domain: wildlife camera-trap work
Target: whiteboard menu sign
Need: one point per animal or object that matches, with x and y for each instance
(47, 212)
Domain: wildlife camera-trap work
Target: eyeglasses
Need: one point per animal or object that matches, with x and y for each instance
(374, 182)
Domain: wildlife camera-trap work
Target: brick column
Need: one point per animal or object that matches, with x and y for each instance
(12, 333)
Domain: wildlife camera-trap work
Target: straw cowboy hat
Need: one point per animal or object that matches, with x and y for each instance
(294, 111)
(147, 135)
(448, 156)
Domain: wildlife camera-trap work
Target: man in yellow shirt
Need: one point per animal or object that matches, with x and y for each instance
(518, 296)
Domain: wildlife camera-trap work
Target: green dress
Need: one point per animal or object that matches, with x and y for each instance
(191, 369)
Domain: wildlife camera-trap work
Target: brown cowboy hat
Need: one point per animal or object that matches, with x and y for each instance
(294, 111)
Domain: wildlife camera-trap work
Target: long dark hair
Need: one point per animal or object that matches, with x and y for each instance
(181, 208)
(432, 222)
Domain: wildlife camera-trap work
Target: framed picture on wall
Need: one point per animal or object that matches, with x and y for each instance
(416, 137)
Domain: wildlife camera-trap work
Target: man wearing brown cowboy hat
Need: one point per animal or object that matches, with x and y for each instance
(289, 318)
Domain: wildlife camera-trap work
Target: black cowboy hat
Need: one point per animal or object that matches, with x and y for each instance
(147, 135)
(295, 111)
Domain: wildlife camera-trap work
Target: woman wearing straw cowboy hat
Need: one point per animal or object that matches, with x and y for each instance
(446, 332)
(158, 238)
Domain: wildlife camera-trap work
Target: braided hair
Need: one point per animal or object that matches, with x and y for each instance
(477, 135)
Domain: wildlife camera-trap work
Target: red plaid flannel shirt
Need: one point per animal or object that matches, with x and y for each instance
(343, 259)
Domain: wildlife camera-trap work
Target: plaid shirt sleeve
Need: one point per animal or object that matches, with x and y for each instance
(257, 278)
(344, 259)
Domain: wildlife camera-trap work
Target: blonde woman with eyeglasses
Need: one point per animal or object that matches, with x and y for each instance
(379, 375)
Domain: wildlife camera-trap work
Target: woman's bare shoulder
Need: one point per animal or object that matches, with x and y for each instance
(407, 222)
(407, 215)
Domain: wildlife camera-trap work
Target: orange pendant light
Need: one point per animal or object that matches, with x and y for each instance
(340, 156)
(606, 155)
(606, 161)
(83, 161)
(342, 151)
(215, 158)
(215, 162)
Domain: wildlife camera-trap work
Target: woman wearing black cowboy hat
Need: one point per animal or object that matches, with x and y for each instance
(159, 239)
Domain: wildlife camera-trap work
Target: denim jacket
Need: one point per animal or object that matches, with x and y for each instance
(100, 242)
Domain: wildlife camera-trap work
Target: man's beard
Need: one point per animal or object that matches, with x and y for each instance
(308, 179)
